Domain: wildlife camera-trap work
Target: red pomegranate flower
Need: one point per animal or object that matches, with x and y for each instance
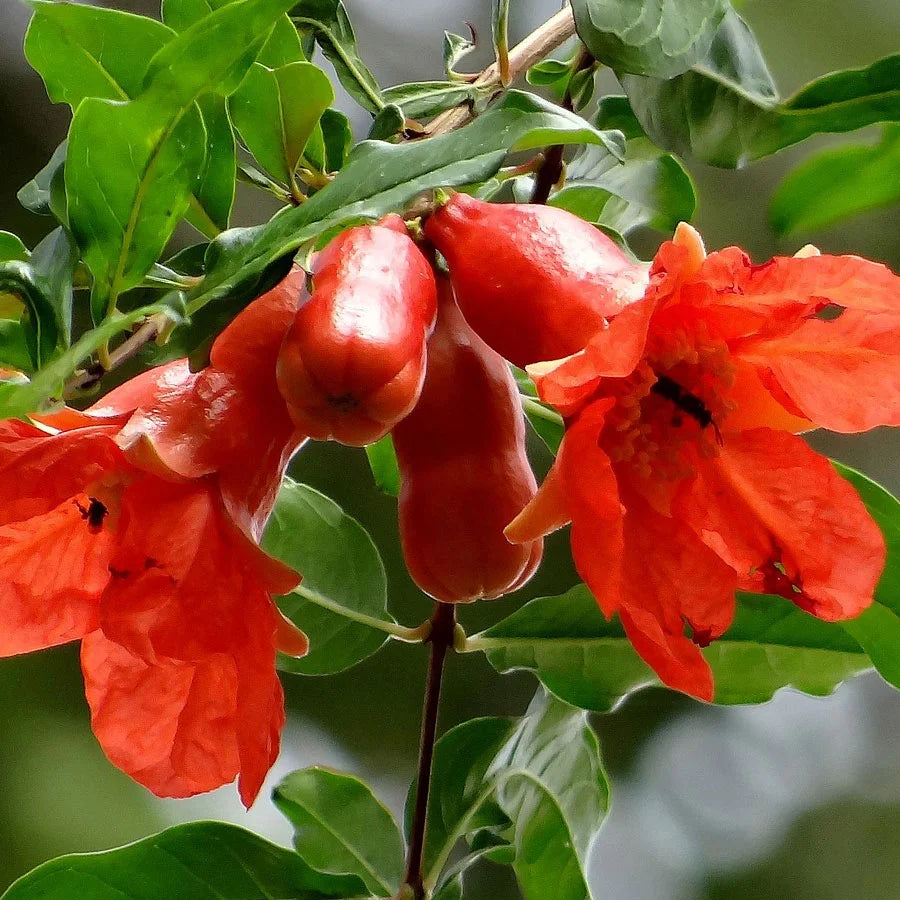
(680, 469)
(133, 527)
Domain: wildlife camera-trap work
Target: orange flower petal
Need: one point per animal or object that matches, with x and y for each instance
(191, 590)
(170, 725)
(38, 471)
(843, 374)
(784, 519)
(593, 503)
(848, 281)
(669, 579)
(53, 569)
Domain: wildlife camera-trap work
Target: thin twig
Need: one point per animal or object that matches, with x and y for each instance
(127, 350)
(555, 31)
(443, 624)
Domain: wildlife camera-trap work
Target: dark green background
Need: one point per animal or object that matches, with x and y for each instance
(796, 799)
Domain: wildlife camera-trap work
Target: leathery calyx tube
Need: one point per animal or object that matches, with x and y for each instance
(464, 472)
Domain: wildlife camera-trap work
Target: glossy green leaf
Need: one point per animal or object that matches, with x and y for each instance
(652, 188)
(45, 194)
(550, 73)
(661, 38)
(427, 98)
(275, 112)
(587, 661)
(384, 466)
(341, 828)
(381, 178)
(213, 199)
(726, 110)
(877, 630)
(282, 47)
(89, 51)
(11, 247)
(536, 785)
(197, 861)
(344, 584)
(838, 184)
(328, 22)
(338, 139)
(130, 171)
(43, 283)
(131, 167)
(17, 399)
(14, 352)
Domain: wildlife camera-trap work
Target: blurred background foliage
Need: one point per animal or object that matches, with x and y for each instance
(799, 798)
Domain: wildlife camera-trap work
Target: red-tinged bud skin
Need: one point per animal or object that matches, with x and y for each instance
(535, 282)
(464, 472)
(353, 361)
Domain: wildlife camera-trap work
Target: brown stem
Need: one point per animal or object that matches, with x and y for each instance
(443, 624)
(127, 350)
(555, 31)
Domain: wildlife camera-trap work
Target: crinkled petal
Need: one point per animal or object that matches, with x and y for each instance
(53, 569)
(849, 281)
(170, 725)
(787, 523)
(671, 579)
(755, 404)
(38, 471)
(186, 582)
(843, 373)
(190, 589)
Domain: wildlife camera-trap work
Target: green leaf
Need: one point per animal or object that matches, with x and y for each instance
(537, 785)
(45, 194)
(342, 599)
(282, 47)
(726, 110)
(131, 167)
(130, 172)
(18, 399)
(384, 466)
(14, 351)
(550, 72)
(589, 662)
(197, 861)
(43, 284)
(652, 188)
(662, 38)
(837, 184)
(422, 99)
(341, 828)
(213, 200)
(877, 630)
(338, 138)
(11, 247)
(456, 47)
(381, 177)
(388, 121)
(88, 51)
(276, 111)
(328, 22)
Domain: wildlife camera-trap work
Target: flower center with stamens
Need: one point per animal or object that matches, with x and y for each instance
(674, 399)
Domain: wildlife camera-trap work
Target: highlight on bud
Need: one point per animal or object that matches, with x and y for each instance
(534, 282)
(353, 361)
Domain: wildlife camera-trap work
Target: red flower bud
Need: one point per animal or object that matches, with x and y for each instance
(535, 282)
(353, 361)
(464, 473)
